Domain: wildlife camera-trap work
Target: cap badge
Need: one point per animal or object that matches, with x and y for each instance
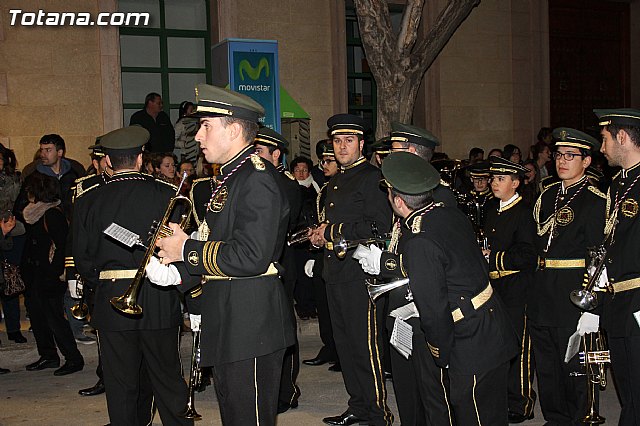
(563, 135)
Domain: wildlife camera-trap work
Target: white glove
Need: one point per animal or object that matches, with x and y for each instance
(308, 268)
(371, 262)
(194, 320)
(74, 287)
(162, 275)
(588, 323)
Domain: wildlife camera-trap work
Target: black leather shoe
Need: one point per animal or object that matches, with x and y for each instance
(316, 361)
(515, 418)
(4, 370)
(68, 368)
(343, 419)
(17, 337)
(285, 406)
(335, 367)
(96, 389)
(43, 363)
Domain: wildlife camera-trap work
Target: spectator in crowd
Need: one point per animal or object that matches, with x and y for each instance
(164, 167)
(52, 162)
(186, 166)
(541, 156)
(317, 171)
(43, 264)
(10, 247)
(512, 153)
(186, 148)
(531, 188)
(157, 122)
(495, 152)
(476, 155)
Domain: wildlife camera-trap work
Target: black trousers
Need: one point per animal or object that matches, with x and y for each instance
(129, 359)
(247, 390)
(50, 327)
(355, 329)
(563, 397)
(480, 399)
(328, 350)
(626, 370)
(303, 292)
(522, 397)
(419, 384)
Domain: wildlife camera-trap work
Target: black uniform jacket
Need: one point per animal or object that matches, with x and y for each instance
(354, 202)
(623, 255)
(579, 224)
(511, 234)
(132, 200)
(244, 315)
(439, 254)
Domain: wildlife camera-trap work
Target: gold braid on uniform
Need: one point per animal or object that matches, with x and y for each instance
(320, 211)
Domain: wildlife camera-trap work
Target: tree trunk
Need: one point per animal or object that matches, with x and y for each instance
(399, 61)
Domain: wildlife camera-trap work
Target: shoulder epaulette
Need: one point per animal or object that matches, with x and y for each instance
(80, 179)
(257, 162)
(288, 174)
(597, 191)
(548, 185)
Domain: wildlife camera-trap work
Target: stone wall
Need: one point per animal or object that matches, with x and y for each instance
(50, 81)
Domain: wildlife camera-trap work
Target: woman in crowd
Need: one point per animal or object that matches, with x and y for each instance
(541, 155)
(531, 188)
(42, 268)
(12, 249)
(187, 148)
(512, 153)
(164, 166)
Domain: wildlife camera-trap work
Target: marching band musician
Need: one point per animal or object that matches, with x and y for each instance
(475, 203)
(569, 217)
(464, 326)
(354, 206)
(271, 145)
(417, 380)
(621, 311)
(510, 232)
(130, 346)
(246, 317)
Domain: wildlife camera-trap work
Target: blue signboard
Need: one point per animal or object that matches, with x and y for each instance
(252, 67)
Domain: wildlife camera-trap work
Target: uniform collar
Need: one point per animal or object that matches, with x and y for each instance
(485, 192)
(631, 171)
(506, 205)
(573, 185)
(229, 165)
(281, 168)
(359, 161)
(414, 215)
(124, 173)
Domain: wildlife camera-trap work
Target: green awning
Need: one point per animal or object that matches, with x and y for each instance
(289, 108)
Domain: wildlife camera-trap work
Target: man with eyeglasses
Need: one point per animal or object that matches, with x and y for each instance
(570, 217)
(475, 202)
(355, 208)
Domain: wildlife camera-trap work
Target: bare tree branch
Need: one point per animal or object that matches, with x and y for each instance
(451, 17)
(409, 27)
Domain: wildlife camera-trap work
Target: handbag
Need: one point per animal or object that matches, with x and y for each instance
(13, 282)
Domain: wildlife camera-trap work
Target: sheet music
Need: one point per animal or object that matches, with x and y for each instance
(572, 347)
(402, 337)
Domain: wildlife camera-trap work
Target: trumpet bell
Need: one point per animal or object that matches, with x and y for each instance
(377, 290)
(79, 311)
(126, 304)
(584, 299)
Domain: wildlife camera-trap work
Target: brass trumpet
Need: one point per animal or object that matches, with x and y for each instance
(341, 245)
(592, 360)
(301, 236)
(127, 303)
(80, 310)
(376, 290)
(586, 298)
(195, 375)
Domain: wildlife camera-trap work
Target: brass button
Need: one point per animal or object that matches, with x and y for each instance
(335, 187)
(461, 297)
(331, 204)
(493, 230)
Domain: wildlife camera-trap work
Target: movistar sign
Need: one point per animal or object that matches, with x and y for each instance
(245, 68)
